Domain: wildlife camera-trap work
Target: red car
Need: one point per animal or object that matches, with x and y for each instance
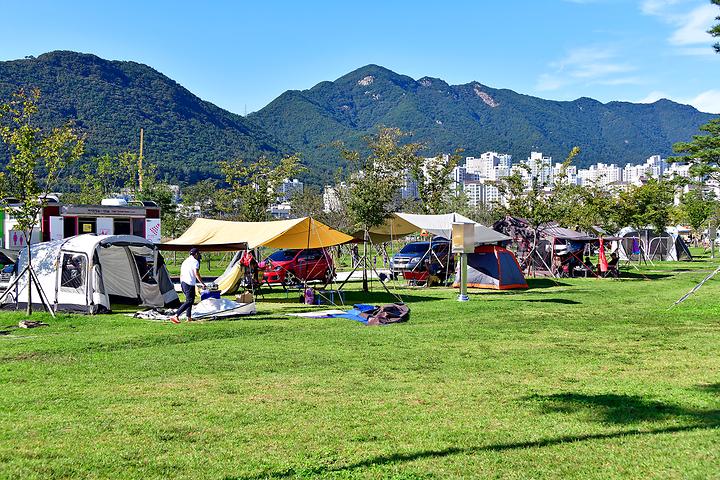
(294, 266)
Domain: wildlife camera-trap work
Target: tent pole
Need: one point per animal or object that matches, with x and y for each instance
(365, 262)
(12, 285)
(43, 297)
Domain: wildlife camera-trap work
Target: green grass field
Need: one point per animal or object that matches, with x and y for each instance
(579, 378)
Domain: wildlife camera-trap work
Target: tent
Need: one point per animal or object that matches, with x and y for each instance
(494, 267)
(86, 273)
(402, 224)
(647, 244)
(552, 241)
(222, 235)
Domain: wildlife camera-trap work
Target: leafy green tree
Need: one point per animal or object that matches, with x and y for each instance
(253, 186)
(37, 160)
(696, 208)
(703, 152)
(307, 203)
(106, 176)
(650, 204)
(715, 30)
(204, 196)
(434, 181)
(374, 183)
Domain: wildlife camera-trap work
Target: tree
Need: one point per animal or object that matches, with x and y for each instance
(433, 178)
(105, 176)
(650, 204)
(307, 203)
(37, 160)
(373, 185)
(253, 186)
(696, 208)
(715, 30)
(703, 152)
(204, 196)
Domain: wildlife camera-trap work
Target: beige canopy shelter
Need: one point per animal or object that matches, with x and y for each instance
(402, 224)
(221, 235)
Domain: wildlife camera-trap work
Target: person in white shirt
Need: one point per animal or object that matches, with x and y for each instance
(189, 277)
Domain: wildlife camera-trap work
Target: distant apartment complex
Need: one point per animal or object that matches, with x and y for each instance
(477, 177)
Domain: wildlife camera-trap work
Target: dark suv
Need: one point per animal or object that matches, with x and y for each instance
(417, 256)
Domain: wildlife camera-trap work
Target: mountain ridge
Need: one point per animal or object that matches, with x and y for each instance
(476, 117)
(111, 100)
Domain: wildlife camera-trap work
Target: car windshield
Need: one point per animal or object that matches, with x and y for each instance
(417, 247)
(283, 255)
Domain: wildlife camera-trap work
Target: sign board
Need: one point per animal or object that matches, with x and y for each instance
(152, 230)
(57, 228)
(463, 237)
(104, 226)
(16, 239)
(103, 211)
(712, 232)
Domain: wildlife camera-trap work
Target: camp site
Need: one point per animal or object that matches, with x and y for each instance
(247, 262)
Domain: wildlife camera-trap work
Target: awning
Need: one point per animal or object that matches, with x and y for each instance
(402, 224)
(221, 235)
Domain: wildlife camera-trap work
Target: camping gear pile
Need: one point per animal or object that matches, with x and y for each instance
(208, 309)
(370, 315)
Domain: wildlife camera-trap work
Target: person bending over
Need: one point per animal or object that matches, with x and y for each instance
(189, 277)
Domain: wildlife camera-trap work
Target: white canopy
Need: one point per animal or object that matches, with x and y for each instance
(401, 224)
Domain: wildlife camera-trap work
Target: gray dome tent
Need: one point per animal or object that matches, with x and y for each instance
(86, 273)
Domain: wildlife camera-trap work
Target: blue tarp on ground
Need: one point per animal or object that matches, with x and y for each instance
(354, 314)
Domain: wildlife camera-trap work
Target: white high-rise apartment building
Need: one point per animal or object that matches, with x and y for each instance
(288, 188)
(540, 168)
(488, 164)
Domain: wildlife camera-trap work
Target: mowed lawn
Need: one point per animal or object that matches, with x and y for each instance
(580, 378)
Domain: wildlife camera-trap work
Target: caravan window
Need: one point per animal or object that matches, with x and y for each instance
(145, 269)
(73, 272)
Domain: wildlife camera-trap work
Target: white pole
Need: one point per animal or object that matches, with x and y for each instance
(463, 297)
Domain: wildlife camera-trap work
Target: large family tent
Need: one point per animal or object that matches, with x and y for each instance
(494, 267)
(86, 273)
(222, 235)
(647, 244)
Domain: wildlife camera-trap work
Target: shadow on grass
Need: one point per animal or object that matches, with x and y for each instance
(630, 274)
(547, 282)
(499, 447)
(563, 301)
(611, 408)
(623, 409)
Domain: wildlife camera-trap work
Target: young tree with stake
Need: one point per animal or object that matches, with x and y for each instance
(37, 159)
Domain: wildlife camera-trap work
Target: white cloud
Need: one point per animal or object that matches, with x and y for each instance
(652, 97)
(657, 7)
(588, 65)
(693, 27)
(707, 101)
(690, 27)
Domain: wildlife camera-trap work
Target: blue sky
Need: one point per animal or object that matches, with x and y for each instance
(240, 55)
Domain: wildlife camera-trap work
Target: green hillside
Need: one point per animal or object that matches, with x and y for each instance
(472, 116)
(111, 100)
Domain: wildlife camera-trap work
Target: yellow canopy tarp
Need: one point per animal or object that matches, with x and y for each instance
(216, 235)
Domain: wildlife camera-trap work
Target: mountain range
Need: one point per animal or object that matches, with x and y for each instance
(186, 136)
